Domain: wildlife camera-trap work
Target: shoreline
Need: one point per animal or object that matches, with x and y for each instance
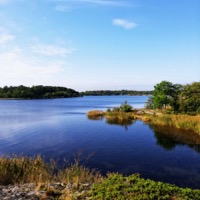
(179, 121)
(31, 178)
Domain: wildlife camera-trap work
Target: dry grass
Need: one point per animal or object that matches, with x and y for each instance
(21, 170)
(185, 122)
(181, 121)
(95, 114)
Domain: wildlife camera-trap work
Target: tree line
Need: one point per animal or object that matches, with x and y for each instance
(37, 92)
(114, 92)
(176, 97)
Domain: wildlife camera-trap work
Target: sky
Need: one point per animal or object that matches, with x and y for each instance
(99, 44)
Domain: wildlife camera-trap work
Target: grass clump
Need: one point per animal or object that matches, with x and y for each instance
(118, 187)
(21, 170)
(181, 121)
(95, 114)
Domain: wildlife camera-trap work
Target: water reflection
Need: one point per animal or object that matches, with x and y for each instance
(121, 122)
(169, 137)
(166, 137)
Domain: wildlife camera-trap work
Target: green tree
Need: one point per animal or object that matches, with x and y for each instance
(190, 98)
(162, 94)
(166, 94)
(175, 95)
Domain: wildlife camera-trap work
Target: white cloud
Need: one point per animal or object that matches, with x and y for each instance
(18, 68)
(66, 5)
(97, 2)
(124, 23)
(62, 8)
(5, 37)
(51, 50)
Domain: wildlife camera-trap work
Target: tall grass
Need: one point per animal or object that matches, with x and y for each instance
(186, 122)
(20, 170)
(95, 114)
(17, 170)
(180, 121)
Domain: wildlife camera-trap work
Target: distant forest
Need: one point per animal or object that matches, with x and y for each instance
(37, 92)
(47, 92)
(115, 92)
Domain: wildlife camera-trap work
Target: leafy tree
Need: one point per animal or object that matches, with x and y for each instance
(175, 94)
(162, 94)
(190, 98)
(149, 104)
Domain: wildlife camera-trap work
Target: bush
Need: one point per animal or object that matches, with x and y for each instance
(133, 187)
(126, 107)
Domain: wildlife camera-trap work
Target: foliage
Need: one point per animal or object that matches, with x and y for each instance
(190, 98)
(177, 97)
(163, 94)
(115, 92)
(118, 187)
(125, 107)
(37, 92)
(149, 104)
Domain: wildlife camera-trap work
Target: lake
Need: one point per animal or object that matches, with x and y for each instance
(60, 129)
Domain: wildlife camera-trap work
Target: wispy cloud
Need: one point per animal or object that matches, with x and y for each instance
(124, 23)
(5, 37)
(19, 68)
(51, 50)
(97, 2)
(4, 1)
(66, 5)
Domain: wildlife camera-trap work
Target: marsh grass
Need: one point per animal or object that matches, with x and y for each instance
(95, 115)
(179, 121)
(185, 122)
(21, 170)
(78, 174)
(18, 170)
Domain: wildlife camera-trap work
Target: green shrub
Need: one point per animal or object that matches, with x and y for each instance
(116, 186)
(125, 107)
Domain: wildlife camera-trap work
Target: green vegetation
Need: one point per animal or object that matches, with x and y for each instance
(37, 92)
(175, 97)
(20, 170)
(115, 92)
(125, 115)
(116, 187)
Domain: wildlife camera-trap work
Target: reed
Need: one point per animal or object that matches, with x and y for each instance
(185, 122)
(95, 114)
(21, 170)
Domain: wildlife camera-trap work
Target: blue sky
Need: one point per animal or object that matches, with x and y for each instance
(99, 44)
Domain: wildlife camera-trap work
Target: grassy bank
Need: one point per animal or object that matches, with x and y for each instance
(180, 121)
(185, 122)
(81, 183)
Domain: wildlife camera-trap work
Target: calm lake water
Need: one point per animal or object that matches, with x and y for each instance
(60, 129)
